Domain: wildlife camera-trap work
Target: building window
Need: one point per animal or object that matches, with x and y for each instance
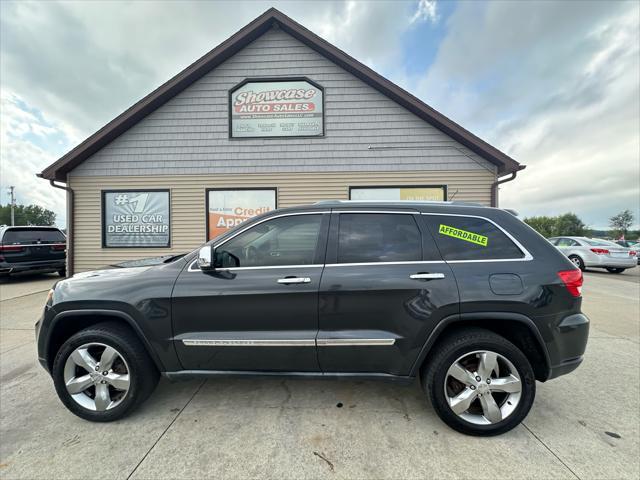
(399, 193)
(136, 218)
(228, 208)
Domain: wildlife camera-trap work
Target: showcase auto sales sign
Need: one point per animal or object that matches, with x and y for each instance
(276, 109)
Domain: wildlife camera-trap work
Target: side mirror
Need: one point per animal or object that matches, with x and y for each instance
(205, 258)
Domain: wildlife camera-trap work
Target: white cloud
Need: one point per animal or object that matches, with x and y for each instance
(556, 86)
(427, 11)
(21, 157)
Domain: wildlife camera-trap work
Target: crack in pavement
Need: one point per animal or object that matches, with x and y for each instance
(551, 451)
(166, 429)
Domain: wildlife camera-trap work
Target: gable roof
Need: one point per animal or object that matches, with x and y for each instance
(253, 30)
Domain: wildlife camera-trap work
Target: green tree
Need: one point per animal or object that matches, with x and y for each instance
(570, 225)
(27, 215)
(545, 226)
(621, 222)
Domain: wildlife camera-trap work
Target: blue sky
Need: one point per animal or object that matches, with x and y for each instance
(556, 85)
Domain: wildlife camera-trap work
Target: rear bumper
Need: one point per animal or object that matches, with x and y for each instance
(568, 344)
(603, 261)
(44, 265)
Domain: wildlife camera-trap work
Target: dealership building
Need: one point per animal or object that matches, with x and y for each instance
(273, 117)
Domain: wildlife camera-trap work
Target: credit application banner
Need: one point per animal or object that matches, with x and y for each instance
(228, 208)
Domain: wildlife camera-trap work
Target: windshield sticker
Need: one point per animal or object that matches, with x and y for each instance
(463, 235)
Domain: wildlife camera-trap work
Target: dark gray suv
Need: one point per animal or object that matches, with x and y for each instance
(469, 299)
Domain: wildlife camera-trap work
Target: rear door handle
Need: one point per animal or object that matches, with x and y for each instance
(290, 280)
(426, 276)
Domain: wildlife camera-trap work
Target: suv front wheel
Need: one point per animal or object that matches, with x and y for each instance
(103, 372)
(479, 383)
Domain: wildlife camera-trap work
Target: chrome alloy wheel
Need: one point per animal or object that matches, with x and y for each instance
(97, 376)
(482, 387)
(576, 261)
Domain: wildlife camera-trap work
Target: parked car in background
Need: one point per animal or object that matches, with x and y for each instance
(32, 249)
(596, 253)
(626, 243)
(636, 248)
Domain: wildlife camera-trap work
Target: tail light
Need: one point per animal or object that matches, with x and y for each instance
(11, 248)
(600, 251)
(632, 253)
(572, 280)
(58, 246)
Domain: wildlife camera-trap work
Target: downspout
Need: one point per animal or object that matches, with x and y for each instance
(497, 183)
(70, 232)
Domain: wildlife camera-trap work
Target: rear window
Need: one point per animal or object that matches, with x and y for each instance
(15, 236)
(378, 237)
(471, 238)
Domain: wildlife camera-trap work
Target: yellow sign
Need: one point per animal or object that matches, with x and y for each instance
(463, 235)
(422, 194)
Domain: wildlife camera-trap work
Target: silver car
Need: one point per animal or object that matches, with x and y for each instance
(595, 253)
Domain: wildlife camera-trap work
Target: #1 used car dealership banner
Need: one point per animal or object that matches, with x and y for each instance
(136, 218)
(276, 109)
(228, 208)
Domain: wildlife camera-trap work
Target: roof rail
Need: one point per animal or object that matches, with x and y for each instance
(410, 202)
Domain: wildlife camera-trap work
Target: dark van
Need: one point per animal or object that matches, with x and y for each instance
(32, 249)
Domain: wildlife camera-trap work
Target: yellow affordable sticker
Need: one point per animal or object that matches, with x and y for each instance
(463, 235)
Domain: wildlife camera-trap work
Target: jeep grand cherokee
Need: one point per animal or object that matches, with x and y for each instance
(469, 299)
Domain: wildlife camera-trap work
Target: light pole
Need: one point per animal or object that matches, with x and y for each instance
(13, 204)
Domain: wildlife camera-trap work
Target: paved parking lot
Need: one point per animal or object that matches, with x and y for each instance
(584, 425)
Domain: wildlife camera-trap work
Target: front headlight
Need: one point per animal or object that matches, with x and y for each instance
(49, 300)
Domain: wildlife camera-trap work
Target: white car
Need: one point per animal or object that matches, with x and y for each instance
(595, 253)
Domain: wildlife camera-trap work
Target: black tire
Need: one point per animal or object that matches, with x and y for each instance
(454, 346)
(142, 371)
(577, 261)
(615, 270)
(62, 272)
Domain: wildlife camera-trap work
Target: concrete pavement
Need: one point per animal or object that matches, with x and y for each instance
(584, 425)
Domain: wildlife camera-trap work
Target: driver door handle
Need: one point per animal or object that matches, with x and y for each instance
(292, 280)
(426, 276)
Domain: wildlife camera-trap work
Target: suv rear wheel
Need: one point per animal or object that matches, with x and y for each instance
(479, 383)
(103, 372)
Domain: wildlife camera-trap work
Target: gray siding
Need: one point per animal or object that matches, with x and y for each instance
(189, 134)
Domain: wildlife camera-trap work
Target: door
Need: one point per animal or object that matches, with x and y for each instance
(259, 310)
(383, 290)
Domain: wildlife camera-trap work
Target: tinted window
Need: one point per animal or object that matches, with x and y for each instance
(374, 237)
(32, 235)
(469, 238)
(282, 241)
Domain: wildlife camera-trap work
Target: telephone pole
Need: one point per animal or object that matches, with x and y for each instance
(13, 204)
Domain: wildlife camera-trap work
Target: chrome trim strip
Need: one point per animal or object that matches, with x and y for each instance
(416, 262)
(527, 256)
(302, 342)
(354, 342)
(298, 342)
(193, 268)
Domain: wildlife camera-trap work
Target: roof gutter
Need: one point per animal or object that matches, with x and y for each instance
(70, 211)
(497, 183)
